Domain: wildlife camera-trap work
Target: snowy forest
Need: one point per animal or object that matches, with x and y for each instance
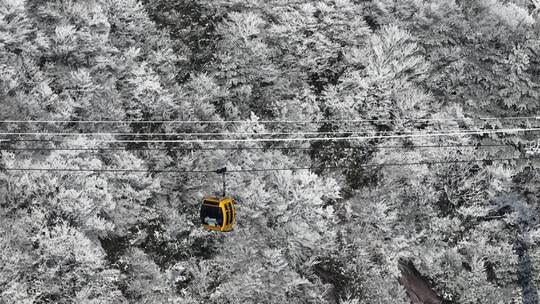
(430, 194)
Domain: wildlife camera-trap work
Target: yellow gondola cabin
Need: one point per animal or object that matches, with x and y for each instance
(217, 214)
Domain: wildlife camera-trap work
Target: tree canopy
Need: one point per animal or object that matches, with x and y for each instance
(385, 219)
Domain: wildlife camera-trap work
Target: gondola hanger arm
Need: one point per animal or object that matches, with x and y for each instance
(222, 171)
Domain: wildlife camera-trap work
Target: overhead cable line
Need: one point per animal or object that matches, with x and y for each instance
(96, 170)
(196, 133)
(214, 133)
(260, 121)
(199, 133)
(172, 134)
(253, 148)
(291, 139)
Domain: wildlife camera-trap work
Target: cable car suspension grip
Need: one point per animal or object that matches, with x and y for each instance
(223, 171)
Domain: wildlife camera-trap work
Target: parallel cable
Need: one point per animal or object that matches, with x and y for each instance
(266, 169)
(260, 121)
(202, 133)
(214, 133)
(293, 139)
(255, 148)
(174, 134)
